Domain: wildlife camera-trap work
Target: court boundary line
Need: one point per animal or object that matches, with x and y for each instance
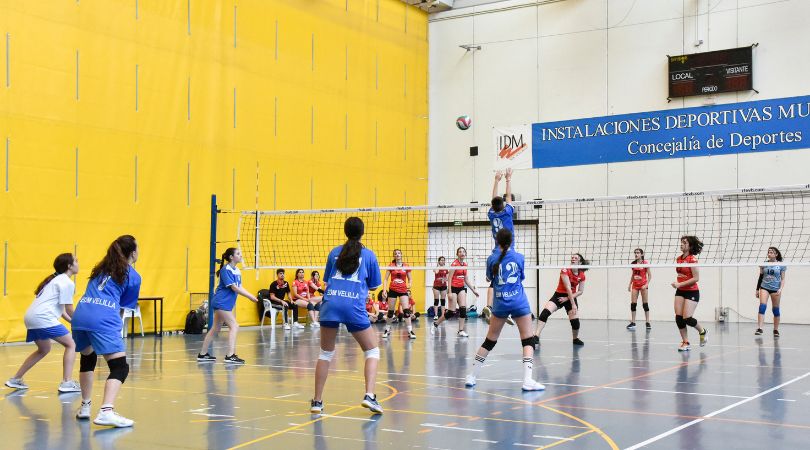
(713, 413)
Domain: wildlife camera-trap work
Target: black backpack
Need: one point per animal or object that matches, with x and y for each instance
(195, 322)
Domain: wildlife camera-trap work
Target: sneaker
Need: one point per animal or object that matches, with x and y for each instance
(510, 320)
(631, 326)
(69, 386)
(486, 313)
(463, 334)
(758, 332)
(315, 406)
(684, 347)
(16, 383)
(649, 327)
(205, 358)
(470, 380)
(531, 385)
(776, 333)
(434, 328)
(84, 411)
(372, 404)
(386, 333)
(411, 335)
(298, 326)
(233, 359)
(286, 326)
(578, 341)
(703, 338)
(111, 418)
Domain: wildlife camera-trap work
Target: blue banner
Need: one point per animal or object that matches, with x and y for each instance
(747, 127)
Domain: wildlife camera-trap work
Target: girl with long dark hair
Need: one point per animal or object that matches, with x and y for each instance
(570, 287)
(351, 270)
(639, 282)
(687, 294)
(457, 299)
(54, 300)
(770, 284)
(397, 293)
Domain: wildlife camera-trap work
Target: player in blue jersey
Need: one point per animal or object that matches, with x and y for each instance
(230, 285)
(97, 324)
(351, 270)
(770, 284)
(505, 270)
(501, 216)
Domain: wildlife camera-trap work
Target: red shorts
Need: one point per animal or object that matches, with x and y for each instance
(638, 286)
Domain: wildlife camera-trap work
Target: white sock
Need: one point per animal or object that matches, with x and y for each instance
(371, 395)
(106, 407)
(410, 328)
(528, 366)
(478, 362)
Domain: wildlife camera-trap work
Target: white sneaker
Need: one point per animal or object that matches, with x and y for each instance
(411, 335)
(433, 329)
(469, 381)
(112, 419)
(16, 383)
(386, 333)
(298, 326)
(531, 385)
(69, 386)
(463, 334)
(84, 411)
(286, 326)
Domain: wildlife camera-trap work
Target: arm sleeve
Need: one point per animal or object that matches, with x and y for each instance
(66, 293)
(759, 281)
(373, 270)
(129, 298)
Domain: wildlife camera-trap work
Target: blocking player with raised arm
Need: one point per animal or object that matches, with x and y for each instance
(501, 215)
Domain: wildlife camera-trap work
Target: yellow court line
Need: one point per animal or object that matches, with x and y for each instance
(394, 392)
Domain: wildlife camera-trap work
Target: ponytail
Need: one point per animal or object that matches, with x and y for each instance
(226, 258)
(116, 262)
(504, 240)
(348, 260)
(60, 265)
(582, 262)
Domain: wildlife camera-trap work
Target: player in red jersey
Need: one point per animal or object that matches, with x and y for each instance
(439, 289)
(569, 288)
(400, 277)
(371, 308)
(382, 306)
(300, 297)
(316, 289)
(687, 294)
(639, 280)
(459, 282)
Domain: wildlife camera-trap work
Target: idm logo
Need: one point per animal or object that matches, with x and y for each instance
(510, 146)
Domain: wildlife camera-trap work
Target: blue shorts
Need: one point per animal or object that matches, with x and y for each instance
(504, 312)
(104, 343)
(351, 327)
(43, 334)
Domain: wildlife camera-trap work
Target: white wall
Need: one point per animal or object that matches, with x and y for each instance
(581, 58)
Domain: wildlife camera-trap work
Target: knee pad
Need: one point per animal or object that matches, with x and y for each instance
(443, 302)
(310, 307)
(326, 355)
(462, 312)
(318, 307)
(646, 307)
(119, 369)
(680, 322)
(690, 321)
(435, 302)
(373, 353)
(633, 307)
(488, 344)
(407, 312)
(380, 316)
(87, 363)
(544, 315)
(762, 308)
(449, 314)
(390, 314)
(574, 324)
(776, 312)
(529, 342)
(416, 315)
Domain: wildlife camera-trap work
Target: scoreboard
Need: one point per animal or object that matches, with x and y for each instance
(711, 72)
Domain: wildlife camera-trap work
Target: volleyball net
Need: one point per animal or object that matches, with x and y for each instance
(737, 226)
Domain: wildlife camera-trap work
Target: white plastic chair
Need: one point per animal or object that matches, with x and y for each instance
(268, 307)
(129, 313)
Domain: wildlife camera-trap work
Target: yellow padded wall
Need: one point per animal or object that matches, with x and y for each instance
(125, 116)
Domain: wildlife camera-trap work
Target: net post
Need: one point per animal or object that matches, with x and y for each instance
(537, 255)
(212, 258)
